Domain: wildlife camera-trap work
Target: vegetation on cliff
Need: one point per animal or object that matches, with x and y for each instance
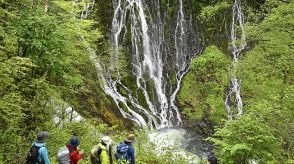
(263, 134)
(201, 95)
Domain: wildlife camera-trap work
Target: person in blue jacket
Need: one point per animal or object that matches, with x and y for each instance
(131, 151)
(42, 152)
(125, 151)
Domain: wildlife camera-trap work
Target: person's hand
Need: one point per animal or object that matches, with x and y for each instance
(82, 152)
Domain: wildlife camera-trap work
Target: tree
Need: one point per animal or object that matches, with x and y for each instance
(267, 72)
(246, 139)
(41, 56)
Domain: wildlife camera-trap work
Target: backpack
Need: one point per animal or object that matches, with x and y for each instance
(32, 157)
(63, 155)
(121, 151)
(95, 160)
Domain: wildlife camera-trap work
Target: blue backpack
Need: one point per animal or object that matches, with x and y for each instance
(121, 151)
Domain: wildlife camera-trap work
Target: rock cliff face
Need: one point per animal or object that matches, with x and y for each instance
(153, 44)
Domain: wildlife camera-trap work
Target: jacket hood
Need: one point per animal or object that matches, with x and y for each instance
(39, 144)
(71, 148)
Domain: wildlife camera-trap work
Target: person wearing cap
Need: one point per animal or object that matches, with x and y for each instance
(101, 153)
(125, 152)
(131, 151)
(42, 152)
(72, 145)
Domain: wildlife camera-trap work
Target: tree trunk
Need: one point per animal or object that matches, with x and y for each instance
(71, 114)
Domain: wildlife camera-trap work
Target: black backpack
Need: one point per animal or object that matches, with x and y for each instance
(32, 157)
(96, 160)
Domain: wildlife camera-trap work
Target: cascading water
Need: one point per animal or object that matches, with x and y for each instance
(144, 22)
(108, 85)
(182, 56)
(184, 51)
(88, 7)
(238, 41)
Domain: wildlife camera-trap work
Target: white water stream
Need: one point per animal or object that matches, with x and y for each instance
(238, 40)
(133, 17)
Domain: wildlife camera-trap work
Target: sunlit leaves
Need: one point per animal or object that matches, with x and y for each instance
(246, 139)
(203, 87)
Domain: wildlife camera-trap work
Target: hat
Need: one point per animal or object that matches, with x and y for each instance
(41, 136)
(107, 140)
(74, 141)
(130, 138)
(212, 160)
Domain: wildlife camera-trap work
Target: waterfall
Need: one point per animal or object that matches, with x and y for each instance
(145, 23)
(108, 85)
(151, 54)
(181, 65)
(88, 7)
(238, 41)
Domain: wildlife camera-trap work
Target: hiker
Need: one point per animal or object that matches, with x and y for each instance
(38, 153)
(101, 153)
(212, 160)
(125, 150)
(73, 146)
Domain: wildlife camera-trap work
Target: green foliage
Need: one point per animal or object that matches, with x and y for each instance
(209, 11)
(265, 133)
(88, 132)
(41, 56)
(247, 139)
(202, 92)
(267, 70)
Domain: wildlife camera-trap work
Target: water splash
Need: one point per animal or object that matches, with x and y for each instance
(238, 39)
(168, 140)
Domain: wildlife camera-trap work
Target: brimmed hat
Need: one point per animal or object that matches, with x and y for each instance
(130, 138)
(41, 136)
(107, 140)
(74, 141)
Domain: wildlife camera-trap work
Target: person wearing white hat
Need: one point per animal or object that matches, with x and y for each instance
(101, 153)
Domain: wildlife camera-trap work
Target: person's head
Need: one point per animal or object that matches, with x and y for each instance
(74, 141)
(130, 138)
(212, 160)
(42, 136)
(106, 140)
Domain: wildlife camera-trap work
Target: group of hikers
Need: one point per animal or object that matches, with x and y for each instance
(70, 154)
(100, 153)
